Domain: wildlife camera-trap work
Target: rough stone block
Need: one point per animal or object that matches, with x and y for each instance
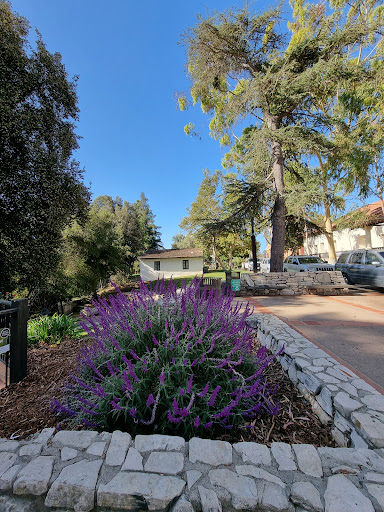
(34, 477)
(243, 489)
(75, 439)
(342, 496)
(134, 491)
(134, 461)
(7, 479)
(345, 404)
(306, 494)
(9, 446)
(97, 448)
(169, 463)
(75, 487)
(14, 504)
(44, 436)
(209, 500)
(182, 505)
(259, 474)
(118, 448)
(283, 455)
(370, 427)
(7, 460)
(210, 452)
(274, 499)
(68, 453)
(310, 382)
(192, 477)
(324, 399)
(308, 459)
(256, 453)
(375, 402)
(158, 442)
(30, 450)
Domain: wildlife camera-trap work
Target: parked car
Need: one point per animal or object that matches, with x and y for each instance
(363, 266)
(306, 264)
(265, 265)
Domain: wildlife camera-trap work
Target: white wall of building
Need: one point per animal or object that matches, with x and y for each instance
(169, 267)
(371, 237)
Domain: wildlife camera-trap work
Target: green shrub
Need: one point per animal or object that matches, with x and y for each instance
(52, 329)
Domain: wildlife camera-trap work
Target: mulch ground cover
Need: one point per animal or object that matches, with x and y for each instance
(24, 407)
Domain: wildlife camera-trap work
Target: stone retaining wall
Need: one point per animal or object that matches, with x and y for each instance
(294, 283)
(86, 470)
(337, 395)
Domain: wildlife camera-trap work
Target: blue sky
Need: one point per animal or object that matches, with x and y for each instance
(130, 66)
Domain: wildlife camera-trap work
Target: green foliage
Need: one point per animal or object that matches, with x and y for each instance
(41, 187)
(52, 329)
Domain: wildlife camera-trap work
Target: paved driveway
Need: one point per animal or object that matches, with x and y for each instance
(350, 328)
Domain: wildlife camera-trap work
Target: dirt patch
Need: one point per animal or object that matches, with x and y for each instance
(24, 407)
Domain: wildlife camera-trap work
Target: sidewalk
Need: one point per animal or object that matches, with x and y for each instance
(349, 328)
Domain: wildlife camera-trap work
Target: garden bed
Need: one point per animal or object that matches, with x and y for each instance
(24, 407)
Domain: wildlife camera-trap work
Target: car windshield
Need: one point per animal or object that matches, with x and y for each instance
(310, 259)
(381, 254)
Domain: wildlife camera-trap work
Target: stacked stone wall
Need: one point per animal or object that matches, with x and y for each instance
(294, 283)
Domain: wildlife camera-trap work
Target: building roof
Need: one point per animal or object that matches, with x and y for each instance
(368, 215)
(172, 253)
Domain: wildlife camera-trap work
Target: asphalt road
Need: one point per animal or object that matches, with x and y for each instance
(350, 328)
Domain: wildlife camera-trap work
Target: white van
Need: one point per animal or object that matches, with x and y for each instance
(265, 265)
(248, 264)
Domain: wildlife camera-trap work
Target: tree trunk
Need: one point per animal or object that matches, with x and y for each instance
(279, 209)
(329, 235)
(230, 257)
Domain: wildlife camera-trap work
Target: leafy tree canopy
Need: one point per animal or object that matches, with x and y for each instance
(41, 187)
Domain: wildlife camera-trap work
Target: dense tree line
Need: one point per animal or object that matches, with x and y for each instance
(51, 238)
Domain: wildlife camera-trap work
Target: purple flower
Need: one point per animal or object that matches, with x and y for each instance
(214, 395)
(196, 422)
(132, 412)
(162, 378)
(172, 419)
(182, 392)
(150, 400)
(205, 390)
(189, 385)
(155, 342)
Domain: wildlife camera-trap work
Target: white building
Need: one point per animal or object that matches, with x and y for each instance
(369, 236)
(171, 263)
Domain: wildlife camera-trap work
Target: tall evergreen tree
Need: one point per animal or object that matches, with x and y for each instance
(41, 187)
(243, 66)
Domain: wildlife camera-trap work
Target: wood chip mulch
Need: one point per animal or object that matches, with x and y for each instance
(24, 407)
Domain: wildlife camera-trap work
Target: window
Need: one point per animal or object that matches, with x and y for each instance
(371, 258)
(356, 258)
(156, 265)
(185, 264)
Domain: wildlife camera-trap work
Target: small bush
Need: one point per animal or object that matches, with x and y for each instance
(52, 329)
(168, 361)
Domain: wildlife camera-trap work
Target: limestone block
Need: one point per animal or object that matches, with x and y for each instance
(370, 427)
(209, 500)
(75, 487)
(342, 496)
(377, 491)
(34, 477)
(274, 499)
(306, 494)
(210, 452)
(375, 402)
(7, 460)
(134, 491)
(169, 463)
(309, 381)
(324, 399)
(308, 459)
(256, 453)
(374, 477)
(158, 442)
(14, 504)
(182, 505)
(68, 453)
(335, 372)
(97, 448)
(44, 436)
(7, 479)
(30, 450)
(9, 446)
(134, 461)
(118, 448)
(283, 456)
(242, 489)
(345, 404)
(357, 441)
(192, 477)
(259, 474)
(332, 457)
(75, 439)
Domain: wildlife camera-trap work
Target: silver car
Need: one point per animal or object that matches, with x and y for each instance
(306, 264)
(363, 266)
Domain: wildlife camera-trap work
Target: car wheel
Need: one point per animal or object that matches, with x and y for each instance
(347, 279)
(284, 270)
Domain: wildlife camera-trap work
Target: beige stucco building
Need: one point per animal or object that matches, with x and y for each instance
(171, 263)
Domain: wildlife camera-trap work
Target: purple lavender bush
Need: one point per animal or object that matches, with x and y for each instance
(168, 361)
